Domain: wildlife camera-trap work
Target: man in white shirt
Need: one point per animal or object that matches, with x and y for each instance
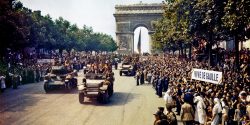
(168, 98)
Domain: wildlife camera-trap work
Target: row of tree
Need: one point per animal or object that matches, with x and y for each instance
(20, 27)
(211, 20)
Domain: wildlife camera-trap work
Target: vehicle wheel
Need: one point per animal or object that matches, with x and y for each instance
(120, 73)
(46, 87)
(105, 97)
(81, 98)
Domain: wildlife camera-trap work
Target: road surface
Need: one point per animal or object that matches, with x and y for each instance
(30, 105)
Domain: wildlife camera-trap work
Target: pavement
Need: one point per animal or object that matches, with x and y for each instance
(30, 105)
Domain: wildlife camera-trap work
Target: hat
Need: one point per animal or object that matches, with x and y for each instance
(161, 108)
(190, 90)
(158, 113)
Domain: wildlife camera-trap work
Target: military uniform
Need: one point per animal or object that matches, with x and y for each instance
(187, 114)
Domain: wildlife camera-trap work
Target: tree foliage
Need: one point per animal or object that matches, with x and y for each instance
(20, 27)
(212, 20)
(191, 22)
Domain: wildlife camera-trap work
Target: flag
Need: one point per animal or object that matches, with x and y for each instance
(139, 43)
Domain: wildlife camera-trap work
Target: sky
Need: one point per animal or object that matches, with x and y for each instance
(95, 13)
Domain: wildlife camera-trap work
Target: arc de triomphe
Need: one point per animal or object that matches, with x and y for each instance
(129, 17)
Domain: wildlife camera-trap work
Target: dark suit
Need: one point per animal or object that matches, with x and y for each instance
(142, 78)
(159, 87)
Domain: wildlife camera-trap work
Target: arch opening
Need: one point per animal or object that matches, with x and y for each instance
(145, 46)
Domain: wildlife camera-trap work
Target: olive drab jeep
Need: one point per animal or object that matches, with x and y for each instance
(126, 69)
(95, 86)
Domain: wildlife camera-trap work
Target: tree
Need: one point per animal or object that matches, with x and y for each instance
(172, 29)
(13, 28)
(21, 27)
(237, 21)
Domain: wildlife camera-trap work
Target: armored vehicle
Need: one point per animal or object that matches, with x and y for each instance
(60, 77)
(95, 86)
(126, 69)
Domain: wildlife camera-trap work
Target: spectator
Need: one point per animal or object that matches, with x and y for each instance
(217, 112)
(187, 113)
(3, 85)
(168, 99)
(201, 110)
(171, 117)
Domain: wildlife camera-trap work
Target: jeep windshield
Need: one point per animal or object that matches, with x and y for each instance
(95, 76)
(58, 70)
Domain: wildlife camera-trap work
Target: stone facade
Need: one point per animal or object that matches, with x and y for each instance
(129, 17)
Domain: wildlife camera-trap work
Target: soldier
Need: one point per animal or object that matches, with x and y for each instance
(187, 113)
(160, 118)
(116, 63)
(107, 81)
(137, 77)
(142, 77)
(157, 118)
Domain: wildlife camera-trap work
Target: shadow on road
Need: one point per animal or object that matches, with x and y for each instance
(121, 98)
(18, 102)
(62, 91)
(118, 98)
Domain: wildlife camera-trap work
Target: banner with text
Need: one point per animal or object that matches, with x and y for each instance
(207, 76)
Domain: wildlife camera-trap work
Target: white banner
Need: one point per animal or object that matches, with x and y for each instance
(207, 76)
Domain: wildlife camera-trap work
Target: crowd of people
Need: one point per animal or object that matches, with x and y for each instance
(196, 101)
(35, 65)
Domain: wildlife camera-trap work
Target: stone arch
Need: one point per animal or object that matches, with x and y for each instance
(140, 25)
(129, 17)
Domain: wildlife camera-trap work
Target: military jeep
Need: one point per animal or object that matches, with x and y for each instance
(95, 86)
(126, 69)
(60, 77)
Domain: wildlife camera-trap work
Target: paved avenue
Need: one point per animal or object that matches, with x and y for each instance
(29, 105)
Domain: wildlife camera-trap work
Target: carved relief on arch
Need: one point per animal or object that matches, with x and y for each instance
(123, 42)
(123, 26)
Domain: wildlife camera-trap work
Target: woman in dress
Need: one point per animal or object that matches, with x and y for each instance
(217, 110)
(201, 110)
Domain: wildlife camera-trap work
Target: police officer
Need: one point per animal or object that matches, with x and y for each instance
(159, 87)
(142, 77)
(116, 65)
(137, 77)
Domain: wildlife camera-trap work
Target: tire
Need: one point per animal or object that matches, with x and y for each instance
(81, 98)
(46, 87)
(120, 73)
